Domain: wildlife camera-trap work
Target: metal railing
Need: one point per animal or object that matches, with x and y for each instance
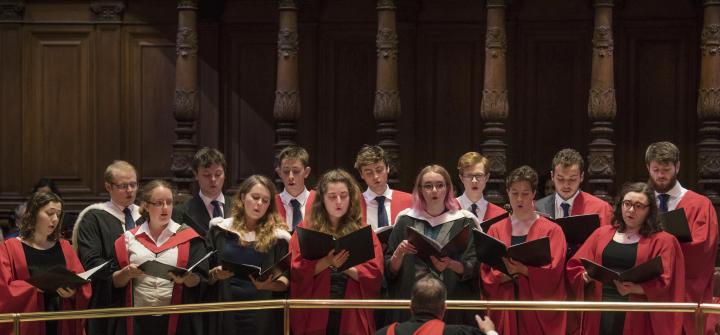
(287, 304)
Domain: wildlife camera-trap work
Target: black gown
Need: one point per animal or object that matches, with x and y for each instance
(241, 289)
(96, 235)
(618, 257)
(38, 261)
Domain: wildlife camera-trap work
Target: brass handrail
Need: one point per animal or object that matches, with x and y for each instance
(287, 305)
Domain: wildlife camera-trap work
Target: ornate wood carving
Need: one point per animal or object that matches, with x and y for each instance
(187, 4)
(108, 10)
(286, 109)
(187, 42)
(602, 104)
(708, 107)
(494, 109)
(387, 95)
(287, 105)
(602, 41)
(288, 45)
(12, 10)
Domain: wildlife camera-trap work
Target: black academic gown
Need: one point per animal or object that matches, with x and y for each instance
(194, 214)
(410, 326)
(459, 287)
(96, 235)
(236, 289)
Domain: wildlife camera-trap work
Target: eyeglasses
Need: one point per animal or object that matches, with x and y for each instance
(125, 186)
(429, 187)
(161, 203)
(627, 204)
(478, 176)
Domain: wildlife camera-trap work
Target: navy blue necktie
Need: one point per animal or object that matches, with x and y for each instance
(297, 213)
(382, 213)
(663, 197)
(129, 222)
(473, 209)
(566, 209)
(217, 212)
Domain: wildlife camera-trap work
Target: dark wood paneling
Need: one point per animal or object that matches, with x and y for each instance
(58, 135)
(109, 121)
(11, 134)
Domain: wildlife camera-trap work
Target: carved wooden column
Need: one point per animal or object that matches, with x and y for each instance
(387, 94)
(107, 10)
(12, 10)
(186, 96)
(601, 104)
(709, 103)
(287, 93)
(494, 108)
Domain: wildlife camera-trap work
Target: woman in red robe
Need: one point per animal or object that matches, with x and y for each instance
(39, 247)
(530, 282)
(338, 214)
(635, 237)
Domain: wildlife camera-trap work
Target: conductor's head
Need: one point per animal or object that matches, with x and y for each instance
(428, 297)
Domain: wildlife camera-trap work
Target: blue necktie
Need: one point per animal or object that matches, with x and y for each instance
(566, 209)
(473, 209)
(663, 197)
(217, 212)
(297, 214)
(129, 222)
(382, 213)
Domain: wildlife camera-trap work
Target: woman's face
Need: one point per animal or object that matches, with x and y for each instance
(635, 209)
(336, 200)
(434, 189)
(256, 202)
(160, 207)
(48, 219)
(521, 197)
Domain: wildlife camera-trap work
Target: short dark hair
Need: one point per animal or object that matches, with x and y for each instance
(428, 297)
(663, 153)
(651, 225)
(207, 157)
(37, 201)
(294, 152)
(567, 158)
(523, 173)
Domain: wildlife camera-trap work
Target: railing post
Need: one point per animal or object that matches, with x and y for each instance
(699, 321)
(286, 317)
(16, 324)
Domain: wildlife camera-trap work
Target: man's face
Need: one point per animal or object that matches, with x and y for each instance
(124, 188)
(567, 180)
(293, 174)
(474, 178)
(375, 176)
(211, 180)
(663, 175)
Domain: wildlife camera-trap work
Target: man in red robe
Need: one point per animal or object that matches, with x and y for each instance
(662, 160)
(474, 174)
(294, 203)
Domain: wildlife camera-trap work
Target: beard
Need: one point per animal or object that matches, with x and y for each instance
(663, 188)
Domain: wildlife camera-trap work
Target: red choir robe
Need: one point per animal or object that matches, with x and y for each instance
(304, 284)
(492, 211)
(308, 206)
(586, 203)
(17, 296)
(669, 287)
(700, 253)
(542, 283)
(400, 201)
(181, 240)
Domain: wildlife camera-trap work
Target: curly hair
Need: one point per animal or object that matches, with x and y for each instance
(268, 223)
(523, 173)
(37, 201)
(319, 217)
(651, 224)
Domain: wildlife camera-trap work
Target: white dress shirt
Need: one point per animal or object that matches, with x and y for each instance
(372, 206)
(285, 197)
(207, 201)
(676, 193)
(466, 203)
(559, 200)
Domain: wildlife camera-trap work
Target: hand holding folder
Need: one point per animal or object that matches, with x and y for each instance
(315, 245)
(427, 247)
(59, 276)
(160, 270)
(491, 251)
(247, 270)
(638, 274)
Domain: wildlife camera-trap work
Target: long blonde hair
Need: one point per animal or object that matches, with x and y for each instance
(268, 223)
(352, 220)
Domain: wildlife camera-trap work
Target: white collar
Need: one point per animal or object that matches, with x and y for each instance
(170, 230)
(675, 192)
(302, 198)
(220, 198)
(440, 219)
(465, 202)
(370, 195)
(559, 200)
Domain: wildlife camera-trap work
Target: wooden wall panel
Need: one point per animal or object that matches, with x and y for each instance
(57, 130)
(248, 95)
(11, 134)
(149, 114)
